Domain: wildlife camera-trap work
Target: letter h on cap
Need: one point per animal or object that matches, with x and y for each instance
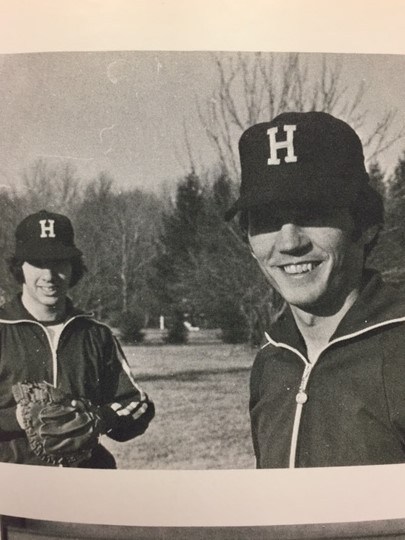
(47, 230)
(288, 143)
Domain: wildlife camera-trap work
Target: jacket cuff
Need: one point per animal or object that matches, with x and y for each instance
(108, 419)
(8, 421)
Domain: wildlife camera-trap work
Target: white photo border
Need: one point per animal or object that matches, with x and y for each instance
(203, 498)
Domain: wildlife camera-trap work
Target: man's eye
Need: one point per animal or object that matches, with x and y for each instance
(268, 224)
(307, 219)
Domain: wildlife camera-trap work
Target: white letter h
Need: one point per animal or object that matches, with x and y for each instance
(275, 145)
(47, 231)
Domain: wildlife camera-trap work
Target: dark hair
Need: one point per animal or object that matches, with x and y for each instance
(78, 268)
(366, 211)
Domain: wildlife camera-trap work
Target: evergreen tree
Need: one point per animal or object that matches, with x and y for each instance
(205, 266)
(390, 251)
(224, 282)
(377, 178)
(178, 245)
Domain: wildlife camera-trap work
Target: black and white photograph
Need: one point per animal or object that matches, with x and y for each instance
(167, 217)
(202, 269)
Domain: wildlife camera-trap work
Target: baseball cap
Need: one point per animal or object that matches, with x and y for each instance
(45, 235)
(300, 158)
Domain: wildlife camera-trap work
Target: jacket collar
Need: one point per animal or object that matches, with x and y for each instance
(15, 311)
(377, 304)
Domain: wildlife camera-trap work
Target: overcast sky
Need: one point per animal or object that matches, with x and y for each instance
(124, 112)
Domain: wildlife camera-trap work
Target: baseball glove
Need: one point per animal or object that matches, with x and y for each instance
(60, 430)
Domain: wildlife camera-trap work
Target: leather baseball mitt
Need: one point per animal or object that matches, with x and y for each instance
(60, 430)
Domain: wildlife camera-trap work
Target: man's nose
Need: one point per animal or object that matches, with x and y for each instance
(48, 273)
(291, 238)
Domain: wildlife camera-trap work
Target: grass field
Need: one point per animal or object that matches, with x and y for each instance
(201, 397)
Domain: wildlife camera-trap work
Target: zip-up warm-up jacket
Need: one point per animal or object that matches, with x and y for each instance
(87, 362)
(348, 407)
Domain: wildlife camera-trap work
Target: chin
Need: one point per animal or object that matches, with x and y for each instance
(302, 295)
(50, 301)
(305, 302)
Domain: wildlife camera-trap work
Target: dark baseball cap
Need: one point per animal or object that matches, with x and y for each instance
(300, 158)
(45, 235)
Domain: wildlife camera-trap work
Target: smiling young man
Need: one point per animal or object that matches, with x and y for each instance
(327, 389)
(43, 337)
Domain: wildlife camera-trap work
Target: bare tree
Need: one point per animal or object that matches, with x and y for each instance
(116, 232)
(255, 87)
(51, 186)
(136, 225)
(10, 211)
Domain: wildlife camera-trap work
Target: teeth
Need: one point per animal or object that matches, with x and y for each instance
(298, 268)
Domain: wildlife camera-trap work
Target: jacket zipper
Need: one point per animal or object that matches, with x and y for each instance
(54, 350)
(302, 396)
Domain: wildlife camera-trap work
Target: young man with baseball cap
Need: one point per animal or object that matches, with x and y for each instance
(327, 388)
(43, 337)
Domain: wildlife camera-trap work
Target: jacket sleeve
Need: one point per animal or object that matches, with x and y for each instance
(9, 427)
(255, 377)
(394, 379)
(128, 410)
(8, 423)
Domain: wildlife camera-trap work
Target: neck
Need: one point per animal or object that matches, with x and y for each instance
(318, 329)
(40, 312)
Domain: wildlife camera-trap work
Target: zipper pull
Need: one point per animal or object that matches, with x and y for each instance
(302, 396)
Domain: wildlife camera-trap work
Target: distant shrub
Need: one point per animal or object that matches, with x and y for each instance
(130, 324)
(234, 325)
(178, 333)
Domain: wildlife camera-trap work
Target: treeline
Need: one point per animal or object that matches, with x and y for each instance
(117, 232)
(150, 256)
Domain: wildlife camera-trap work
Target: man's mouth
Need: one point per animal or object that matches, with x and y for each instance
(302, 268)
(49, 289)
